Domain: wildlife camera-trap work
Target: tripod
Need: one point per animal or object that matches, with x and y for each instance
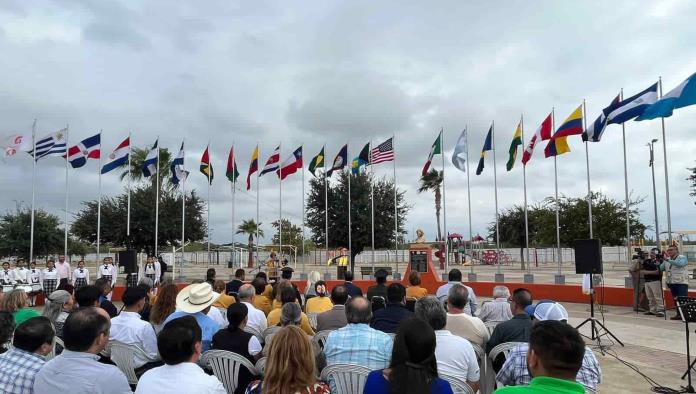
(594, 331)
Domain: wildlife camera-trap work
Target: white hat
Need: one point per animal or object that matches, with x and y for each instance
(194, 298)
(550, 311)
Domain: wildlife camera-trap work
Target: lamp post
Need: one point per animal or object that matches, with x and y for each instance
(651, 145)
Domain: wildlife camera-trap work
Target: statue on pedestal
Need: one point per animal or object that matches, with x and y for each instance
(421, 237)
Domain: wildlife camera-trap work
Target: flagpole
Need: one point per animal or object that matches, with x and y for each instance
(664, 153)
(495, 182)
(555, 183)
(350, 228)
(372, 207)
(628, 222)
(128, 214)
(303, 215)
(234, 195)
(258, 170)
(396, 213)
(526, 215)
(99, 202)
(157, 198)
(65, 245)
(183, 208)
(444, 200)
(280, 203)
(210, 170)
(33, 190)
(326, 211)
(587, 165)
(468, 193)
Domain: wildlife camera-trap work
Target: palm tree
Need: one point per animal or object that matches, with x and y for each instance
(432, 181)
(250, 227)
(137, 158)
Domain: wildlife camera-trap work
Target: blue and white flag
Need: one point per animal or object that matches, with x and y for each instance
(679, 97)
(52, 144)
(633, 106)
(177, 167)
(117, 158)
(150, 163)
(459, 155)
(595, 129)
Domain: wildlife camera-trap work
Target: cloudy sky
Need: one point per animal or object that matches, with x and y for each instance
(335, 72)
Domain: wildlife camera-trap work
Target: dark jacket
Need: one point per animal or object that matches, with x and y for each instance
(377, 290)
(332, 319)
(387, 319)
(236, 341)
(108, 306)
(233, 286)
(516, 329)
(353, 290)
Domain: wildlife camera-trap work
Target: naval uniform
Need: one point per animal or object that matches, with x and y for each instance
(34, 279)
(21, 275)
(80, 277)
(49, 280)
(7, 280)
(107, 272)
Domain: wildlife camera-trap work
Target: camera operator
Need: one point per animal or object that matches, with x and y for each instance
(640, 303)
(677, 281)
(650, 270)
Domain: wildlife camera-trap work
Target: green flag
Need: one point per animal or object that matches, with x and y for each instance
(516, 141)
(317, 162)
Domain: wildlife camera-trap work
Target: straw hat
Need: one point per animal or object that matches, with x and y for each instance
(194, 298)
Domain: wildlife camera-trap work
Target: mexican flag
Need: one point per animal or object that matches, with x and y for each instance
(436, 149)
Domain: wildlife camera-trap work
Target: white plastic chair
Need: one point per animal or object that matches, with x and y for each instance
(255, 332)
(458, 386)
(345, 378)
(504, 348)
(312, 317)
(270, 331)
(490, 325)
(321, 337)
(122, 356)
(226, 367)
(261, 365)
(483, 368)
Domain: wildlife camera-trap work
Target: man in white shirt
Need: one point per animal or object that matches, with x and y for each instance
(256, 318)
(459, 323)
(77, 370)
(129, 329)
(455, 355)
(180, 345)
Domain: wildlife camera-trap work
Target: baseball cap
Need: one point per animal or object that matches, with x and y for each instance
(547, 310)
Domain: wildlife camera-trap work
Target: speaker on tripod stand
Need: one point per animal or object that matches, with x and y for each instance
(588, 260)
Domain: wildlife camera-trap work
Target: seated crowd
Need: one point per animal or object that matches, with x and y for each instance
(411, 341)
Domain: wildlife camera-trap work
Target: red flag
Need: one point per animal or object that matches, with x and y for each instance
(291, 164)
(543, 133)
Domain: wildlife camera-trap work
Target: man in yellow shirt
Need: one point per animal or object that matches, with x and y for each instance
(287, 295)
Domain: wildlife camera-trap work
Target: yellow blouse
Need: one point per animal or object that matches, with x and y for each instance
(416, 292)
(274, 319)
(318, 304)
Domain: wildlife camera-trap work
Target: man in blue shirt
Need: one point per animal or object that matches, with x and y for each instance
(455, 277)
(387, 319)
(195, 300)
(677, 281)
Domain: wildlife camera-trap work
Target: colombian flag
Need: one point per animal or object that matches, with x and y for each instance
(207, 168)
(254, 166)
(558, 144)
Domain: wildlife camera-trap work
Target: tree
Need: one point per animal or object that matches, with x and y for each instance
(142, 237)
(361, 235)
(250, 228)
(137, 157)
(692, 179)
(292, 235)
(608, 218)
(15, 233)
(433, 181)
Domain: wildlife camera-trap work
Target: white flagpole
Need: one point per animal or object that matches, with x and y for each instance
(258, 170)
(587, 164)
(396, 212)
(326, 210)
(303, 212)
(183, 208)
(33, 190)
(67, 146)
(234, 192)
(555, 183)
(664, 153)
(468, 193)
(350, 228)
(444, 199)
(128, 214)
(372, 204)
(280, 203)
(628, 211)
(157, 175)
(495, 184)
(208, 205)
(99, 202)
(526, 214)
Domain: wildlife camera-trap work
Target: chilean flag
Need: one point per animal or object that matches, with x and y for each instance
(291, 164)
(117, 158)
(87, 149)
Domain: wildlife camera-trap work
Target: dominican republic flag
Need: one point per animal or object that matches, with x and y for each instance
(273, 162)
(542, 133)
(436, 149)
(179, 174)
(340, 161)
(117, 158)
(679, 97)
(88, 148)
(151, 161)
(52, 144)
(633, 106)
(595, 130)
(291, 164)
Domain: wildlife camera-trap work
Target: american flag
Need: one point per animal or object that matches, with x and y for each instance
(383, 152)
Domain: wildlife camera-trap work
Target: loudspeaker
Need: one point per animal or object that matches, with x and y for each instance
(588, 256)
(127, 260)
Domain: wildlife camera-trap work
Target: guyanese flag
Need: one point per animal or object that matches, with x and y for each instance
(206, 167)
(317, 162)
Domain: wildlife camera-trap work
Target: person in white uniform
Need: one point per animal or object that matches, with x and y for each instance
(34, 278)
(21, 273)
(49, 278)
(109, 272)
(80, 275)
(7, 279)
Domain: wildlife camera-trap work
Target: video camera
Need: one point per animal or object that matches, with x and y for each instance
(639, 254)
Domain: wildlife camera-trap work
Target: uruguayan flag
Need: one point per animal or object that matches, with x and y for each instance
(52, 144)
(633, 106)
(150, 163)
(681, 96)
(177, 167)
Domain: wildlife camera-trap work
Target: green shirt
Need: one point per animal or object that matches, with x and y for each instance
(23, 315)
(544, 385)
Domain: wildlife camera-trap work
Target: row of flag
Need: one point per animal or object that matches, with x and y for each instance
(641, 106)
